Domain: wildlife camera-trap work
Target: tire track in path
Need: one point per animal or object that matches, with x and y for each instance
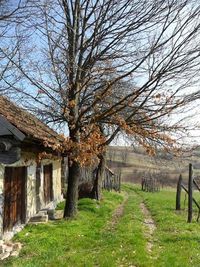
(117, 214)
(150, 226)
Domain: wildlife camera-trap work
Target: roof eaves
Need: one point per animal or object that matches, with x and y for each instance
(12, 129)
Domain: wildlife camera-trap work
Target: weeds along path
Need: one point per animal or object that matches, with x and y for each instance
(117, 214)
(150, 226)
(148, 222)
(122, 242)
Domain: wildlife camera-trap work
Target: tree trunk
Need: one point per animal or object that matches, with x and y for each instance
(72, 190)
(96, 190)
(74, 167)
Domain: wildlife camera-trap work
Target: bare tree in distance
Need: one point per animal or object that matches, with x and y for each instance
(75, 57)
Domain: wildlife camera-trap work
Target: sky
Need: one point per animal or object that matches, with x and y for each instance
(140, 79)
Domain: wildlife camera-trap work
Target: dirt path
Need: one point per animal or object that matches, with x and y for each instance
(117, 214)
(150, 226)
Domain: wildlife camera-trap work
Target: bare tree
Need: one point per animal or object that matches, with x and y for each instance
(12, 13)
(74, 58)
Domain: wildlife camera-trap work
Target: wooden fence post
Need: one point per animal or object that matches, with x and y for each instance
(120, 182)
(178, 193)
(190, 184)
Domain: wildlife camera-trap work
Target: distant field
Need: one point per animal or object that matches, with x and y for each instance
(135, 163)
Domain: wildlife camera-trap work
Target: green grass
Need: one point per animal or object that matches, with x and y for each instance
(61, 206)
(177, 242)
(91, 240)
(87, 240)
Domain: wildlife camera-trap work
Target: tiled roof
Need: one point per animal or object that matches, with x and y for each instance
(27, 123)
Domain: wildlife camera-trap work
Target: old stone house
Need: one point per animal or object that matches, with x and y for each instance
(29, 182)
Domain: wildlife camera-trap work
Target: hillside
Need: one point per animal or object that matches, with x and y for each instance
(135, 163)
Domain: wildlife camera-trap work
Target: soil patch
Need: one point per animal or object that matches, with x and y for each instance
(117, 214)
(150, 226)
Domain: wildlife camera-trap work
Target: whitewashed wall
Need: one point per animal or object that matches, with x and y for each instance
(31, 190)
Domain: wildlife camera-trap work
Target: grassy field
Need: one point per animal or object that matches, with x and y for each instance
(176, 243)
(112, 233)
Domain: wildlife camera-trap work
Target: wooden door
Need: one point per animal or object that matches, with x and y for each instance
(48, 183)
(14, 196)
